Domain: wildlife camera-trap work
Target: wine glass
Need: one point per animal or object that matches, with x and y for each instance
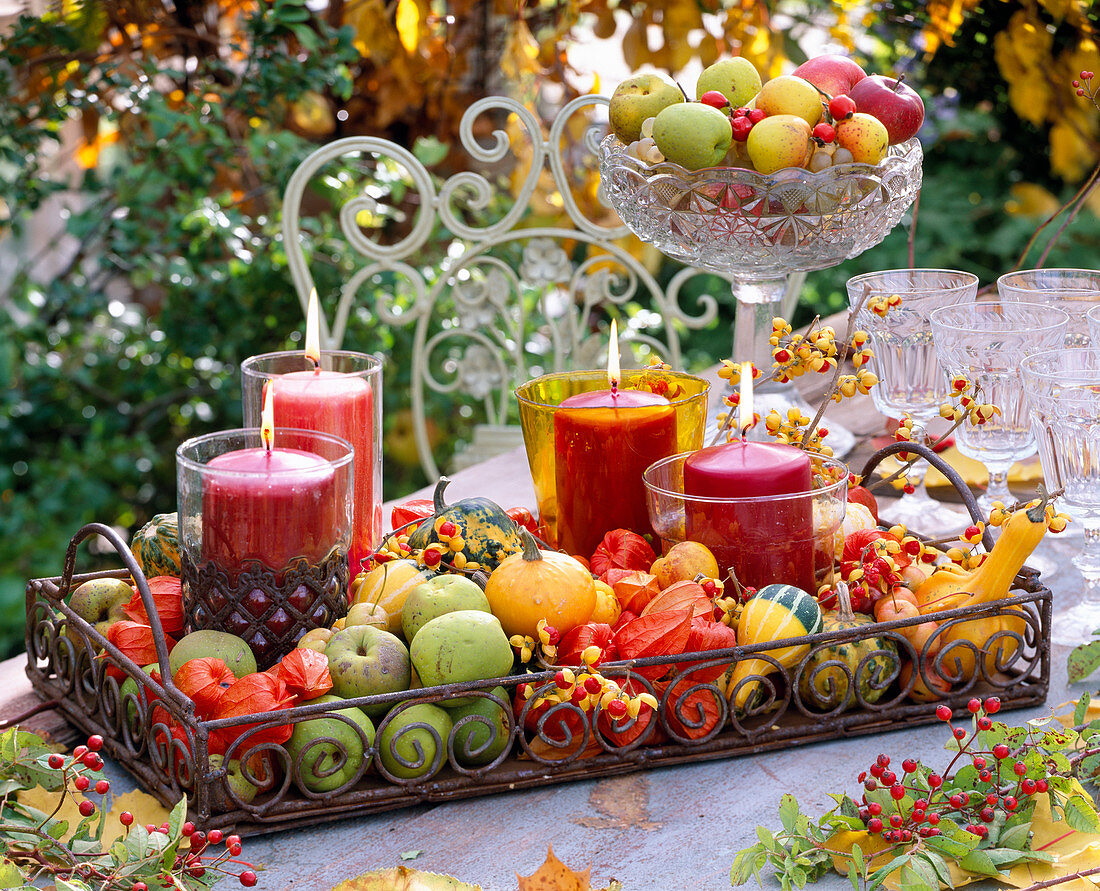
(910, 381)
(985, 342)
(1062, 388)
(1073, 290)
(1093, 319)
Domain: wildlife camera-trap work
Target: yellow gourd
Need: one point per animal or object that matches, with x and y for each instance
(536, 584)
(952, 587)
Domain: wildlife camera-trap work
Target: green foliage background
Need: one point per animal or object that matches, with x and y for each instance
(179, 272)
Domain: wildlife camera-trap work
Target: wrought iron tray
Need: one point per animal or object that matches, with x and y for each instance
(693, 721)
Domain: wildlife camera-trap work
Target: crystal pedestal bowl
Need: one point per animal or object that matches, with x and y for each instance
(756, 228)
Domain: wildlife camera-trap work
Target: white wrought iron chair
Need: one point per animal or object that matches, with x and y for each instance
(507, 300)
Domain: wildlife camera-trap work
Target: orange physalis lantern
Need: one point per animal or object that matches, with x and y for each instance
(305, 673)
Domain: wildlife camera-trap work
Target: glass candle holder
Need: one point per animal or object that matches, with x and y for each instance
(791, 539)
(587, 462)
(264, 534)
(343, 397)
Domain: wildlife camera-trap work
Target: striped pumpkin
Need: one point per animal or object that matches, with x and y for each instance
(156, 546)
(776, 612)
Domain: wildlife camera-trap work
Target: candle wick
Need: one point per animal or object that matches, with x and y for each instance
(614, 388)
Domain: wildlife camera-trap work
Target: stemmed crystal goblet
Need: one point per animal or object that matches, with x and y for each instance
(1062, 387)
(986, 342)
(1074, 290)
(756, 229)
(910, 382)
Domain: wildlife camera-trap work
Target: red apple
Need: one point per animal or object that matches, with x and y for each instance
(831, 73)
(894, 103)
(860, 495)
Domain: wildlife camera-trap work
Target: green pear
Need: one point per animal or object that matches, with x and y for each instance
(488, 732)
(737, 79)
(325, 751)
(779, 141)
(438, 596)
(466, 645)
(130, 695)
(232, 650)
(638, 98)
(234, 777)
(412, 752)
(99, 602)
(693, 135)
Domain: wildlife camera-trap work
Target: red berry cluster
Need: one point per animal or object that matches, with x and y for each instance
(194, 861)
(1084, 85)
(1002, 782)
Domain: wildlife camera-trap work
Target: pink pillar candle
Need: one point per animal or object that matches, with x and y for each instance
(268, 506)
(763, 538)
(604, 440)
(342, 398)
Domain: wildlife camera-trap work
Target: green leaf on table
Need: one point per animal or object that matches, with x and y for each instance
(1082, 709)
(788, 811)
(979, 862)
(849, 808)
(952, 847)
(747, 864)
(71, 885)
(410, 855)
(1081, 814)
(1016, 836)
(10, 875)
(938, 865)
(1083, 661)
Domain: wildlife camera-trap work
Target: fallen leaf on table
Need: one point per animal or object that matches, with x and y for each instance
(411, 855)
(1072, 849)
(554, 875)
(401, 878)
(145, 808)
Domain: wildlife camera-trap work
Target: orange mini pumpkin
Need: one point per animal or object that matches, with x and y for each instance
(537, 584)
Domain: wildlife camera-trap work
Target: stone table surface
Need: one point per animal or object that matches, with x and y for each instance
(666, 828)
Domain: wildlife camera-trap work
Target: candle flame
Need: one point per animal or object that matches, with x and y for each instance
(613, 372)
(313, 330)
(267, 417)
(744, 406)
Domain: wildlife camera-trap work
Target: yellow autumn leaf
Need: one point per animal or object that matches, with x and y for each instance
(520, 58)
(143, 806)
(408, 25)
(401, 878)
(554, 875)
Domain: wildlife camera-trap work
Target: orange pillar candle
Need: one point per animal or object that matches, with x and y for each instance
(603, 442)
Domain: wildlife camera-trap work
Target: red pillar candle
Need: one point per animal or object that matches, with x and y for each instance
(270, 506)
(343, 405)
(764, 539)
(603, 442)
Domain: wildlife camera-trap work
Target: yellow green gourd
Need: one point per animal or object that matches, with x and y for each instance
(828, 688)
(488, 534)
(775, 613)
(156, 546)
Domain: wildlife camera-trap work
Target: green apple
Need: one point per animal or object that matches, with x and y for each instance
(411, 752)
(209, 644)
(737, 79)
(315, 639)
(439, 596)
(234, 777)
(99, 602)
(367, 661)
(488, 732)
(638, 98)
(327, 752)
(130, 696)
(466, 645)
(693, 135)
